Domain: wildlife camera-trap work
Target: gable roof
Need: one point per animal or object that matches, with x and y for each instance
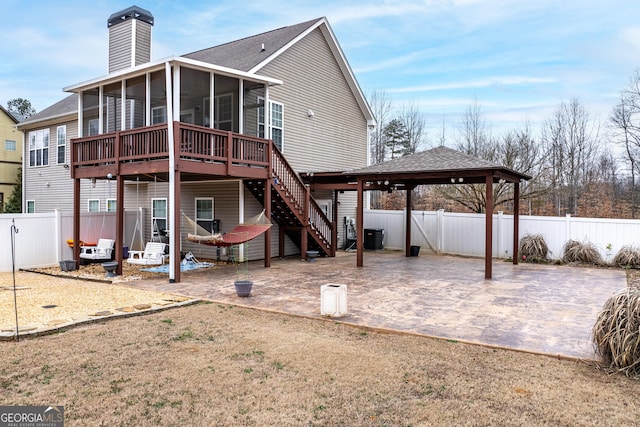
(9, 114)
(247, 53)
(65, 107)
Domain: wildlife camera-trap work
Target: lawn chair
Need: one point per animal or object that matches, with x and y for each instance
(103, 251)
(154, 254)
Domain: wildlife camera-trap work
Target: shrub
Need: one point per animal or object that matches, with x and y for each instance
(583, 252)
(627, 256)
(616, 333)
(533, 248)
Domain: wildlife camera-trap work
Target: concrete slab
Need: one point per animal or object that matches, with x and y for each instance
(535, 308)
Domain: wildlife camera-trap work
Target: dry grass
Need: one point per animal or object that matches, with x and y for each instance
(212, 364)
(627, 257)
(581, 252)
(533, 248)
(617, 333)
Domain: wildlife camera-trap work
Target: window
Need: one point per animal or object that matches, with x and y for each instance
(39, 147)
(93, 205)
(94, 127)
(223, 110)
(31, 206)
(62, 144)
(277, 122)
(10, 145)
(158, 115)
(158, 216)
(111, 205)
(204, 214)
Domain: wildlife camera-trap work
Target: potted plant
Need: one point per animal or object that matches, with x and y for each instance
(242, 284)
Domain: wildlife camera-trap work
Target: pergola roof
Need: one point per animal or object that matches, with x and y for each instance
(440, 165)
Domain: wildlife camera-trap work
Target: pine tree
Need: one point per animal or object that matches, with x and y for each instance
(14, 203)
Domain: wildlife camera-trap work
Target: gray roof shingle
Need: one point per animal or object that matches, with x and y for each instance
(435, 159)
(68, 105)
(246, 53)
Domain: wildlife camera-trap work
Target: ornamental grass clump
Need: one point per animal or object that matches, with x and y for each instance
(628, 257)
(616, 333)
(581, 252)
(533, 248)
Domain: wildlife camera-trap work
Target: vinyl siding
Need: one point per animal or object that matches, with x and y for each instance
(120, 45)
(9, 159)
(335, 138)
(143, 42)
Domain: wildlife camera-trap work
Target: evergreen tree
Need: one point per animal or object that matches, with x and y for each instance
(14, 204)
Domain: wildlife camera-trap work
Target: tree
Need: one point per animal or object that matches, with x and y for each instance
(14, 203)
(474, 139)
(572, 139)
(414, 124)
(381, 106)
(396, 138)
(21, 108)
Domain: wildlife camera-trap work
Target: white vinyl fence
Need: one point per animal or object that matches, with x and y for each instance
(463, 234)
(41, 240)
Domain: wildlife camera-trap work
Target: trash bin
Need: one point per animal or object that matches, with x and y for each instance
(414, 250)
(125, 252)
(373, 238)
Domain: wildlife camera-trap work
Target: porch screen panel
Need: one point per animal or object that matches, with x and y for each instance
(194, 89)
(90, 100)
(112, 107)
(158, 98)
(135, 103)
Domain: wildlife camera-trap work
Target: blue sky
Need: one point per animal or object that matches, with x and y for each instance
(519, 59)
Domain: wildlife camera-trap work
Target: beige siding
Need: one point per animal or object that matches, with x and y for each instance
(335, 137)
(143, 42)
(120, 45)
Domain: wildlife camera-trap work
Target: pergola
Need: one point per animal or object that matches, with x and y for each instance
(439, 165)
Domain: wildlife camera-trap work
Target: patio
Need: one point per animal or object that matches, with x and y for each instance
(535, 308)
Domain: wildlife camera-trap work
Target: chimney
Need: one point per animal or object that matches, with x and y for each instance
(129, 38)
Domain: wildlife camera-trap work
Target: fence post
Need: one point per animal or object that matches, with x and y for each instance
(500, 232)
(58, 234)
(440, 231)
(567, 228)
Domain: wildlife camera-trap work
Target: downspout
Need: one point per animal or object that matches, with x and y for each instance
(172, 163)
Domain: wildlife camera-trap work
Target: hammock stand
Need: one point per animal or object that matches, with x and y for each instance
(241, 233)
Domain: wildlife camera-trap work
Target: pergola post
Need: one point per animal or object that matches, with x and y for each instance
(76, 221)
(488, 239)
(119, 223)
(360, 225)
(407, 226)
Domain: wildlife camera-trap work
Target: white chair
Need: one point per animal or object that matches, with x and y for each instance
(153, 254)
(103, 251)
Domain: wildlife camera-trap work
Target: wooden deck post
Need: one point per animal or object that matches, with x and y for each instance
(488, 237)
(119, 223)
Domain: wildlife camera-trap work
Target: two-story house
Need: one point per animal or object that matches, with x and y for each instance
(10, 154)
(218, 135)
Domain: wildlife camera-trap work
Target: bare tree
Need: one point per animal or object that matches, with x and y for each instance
(474, 139)
(572, 138)
(414, 124)
(381, 106)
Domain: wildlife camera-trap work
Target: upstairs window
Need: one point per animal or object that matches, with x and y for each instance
(10, 145)
(39, 147)
(62, 144)
(277, 122)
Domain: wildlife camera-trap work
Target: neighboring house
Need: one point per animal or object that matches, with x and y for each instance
(220, 107)
(10, 154)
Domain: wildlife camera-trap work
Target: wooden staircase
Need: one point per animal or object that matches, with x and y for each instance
(293, 208)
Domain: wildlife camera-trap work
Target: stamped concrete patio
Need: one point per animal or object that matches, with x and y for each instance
(535, 308)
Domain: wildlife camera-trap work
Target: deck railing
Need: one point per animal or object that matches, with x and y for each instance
(151, 143)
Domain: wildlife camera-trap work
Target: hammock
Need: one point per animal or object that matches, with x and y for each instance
(241, 233)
